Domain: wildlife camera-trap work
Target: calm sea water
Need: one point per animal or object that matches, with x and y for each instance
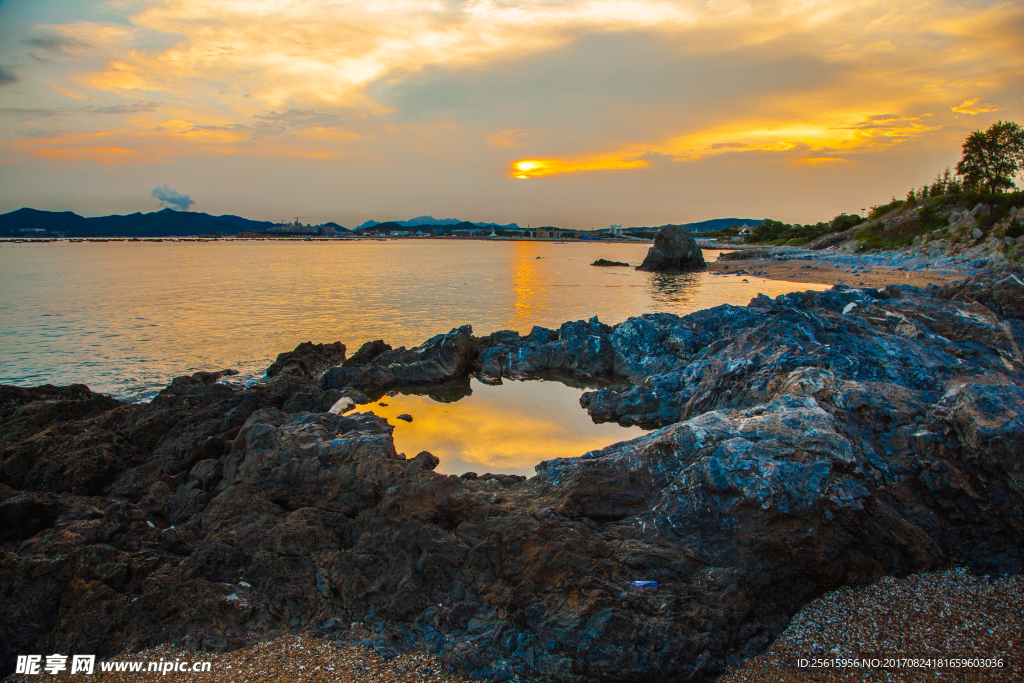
(127, 317)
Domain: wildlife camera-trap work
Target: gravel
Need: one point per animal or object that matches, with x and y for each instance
(288, 659)
(947, 614)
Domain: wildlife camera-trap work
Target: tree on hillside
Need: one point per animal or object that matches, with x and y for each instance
(991, 159)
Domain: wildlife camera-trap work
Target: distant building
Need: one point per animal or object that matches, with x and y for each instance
(615, 230)
(546, 233)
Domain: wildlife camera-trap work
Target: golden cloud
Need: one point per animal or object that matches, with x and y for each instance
(973, 107)
(535, 168)
(158, 140)
(218, 62)
(812, 141)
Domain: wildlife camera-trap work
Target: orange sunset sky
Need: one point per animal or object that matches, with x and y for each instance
(577, 113)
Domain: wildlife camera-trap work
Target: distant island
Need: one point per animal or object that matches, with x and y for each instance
(27, 222)
(431, 221)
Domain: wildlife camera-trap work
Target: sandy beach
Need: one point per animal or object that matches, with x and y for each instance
(827, 272)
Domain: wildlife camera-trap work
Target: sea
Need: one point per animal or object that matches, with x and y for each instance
(125, 318)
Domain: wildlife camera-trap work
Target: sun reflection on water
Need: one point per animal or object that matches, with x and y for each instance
(125, 318)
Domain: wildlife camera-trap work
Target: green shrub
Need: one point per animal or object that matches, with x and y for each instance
(1015, 229)
(882, 209)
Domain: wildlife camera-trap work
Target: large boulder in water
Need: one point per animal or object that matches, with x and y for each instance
(673, 250)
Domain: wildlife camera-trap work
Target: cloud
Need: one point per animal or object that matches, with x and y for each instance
(801, 140)
(536, 168)
(36, 134)
(513, 138)
(172, 199)
(58, 44)
(7, 76)
(24, 114)
(446, 94)
(133, 108)
(973, 107)
(273, 124)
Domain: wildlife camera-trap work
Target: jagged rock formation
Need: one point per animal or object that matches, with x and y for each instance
(811, 441)
(674, 251)
(308, 359)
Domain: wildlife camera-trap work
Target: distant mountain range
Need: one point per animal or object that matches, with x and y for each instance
(709, 225)
(421, 221)
(24, 222)
(167, 222)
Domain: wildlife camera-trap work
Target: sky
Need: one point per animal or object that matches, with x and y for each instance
(576, 113)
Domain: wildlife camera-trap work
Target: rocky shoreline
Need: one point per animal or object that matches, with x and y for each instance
(813, 441)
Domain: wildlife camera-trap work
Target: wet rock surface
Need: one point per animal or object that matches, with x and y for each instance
(807, 442)
(673, 251)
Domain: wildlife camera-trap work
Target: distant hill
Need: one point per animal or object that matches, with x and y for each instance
(707, 226)
(430, 221)
(156, 224)
(384, 228)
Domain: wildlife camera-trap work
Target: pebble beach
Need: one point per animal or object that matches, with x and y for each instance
(931, 616)
(936, 615)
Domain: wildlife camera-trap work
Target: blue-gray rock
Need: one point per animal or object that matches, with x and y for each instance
(806, 442)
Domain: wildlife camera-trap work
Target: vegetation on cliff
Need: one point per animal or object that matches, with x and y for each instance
(984, 178)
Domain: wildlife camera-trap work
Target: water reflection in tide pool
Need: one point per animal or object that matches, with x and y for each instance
(504, 429)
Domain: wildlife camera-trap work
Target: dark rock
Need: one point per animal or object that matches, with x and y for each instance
(605, 263)
(440, 359)
(673, 251)
(366, 353)
(46, 401)
(23, 515)
(747, 254)
(810, 441)
(308, 359)
(208, 473)
(423, 462)
(404, 416)
(327, 461)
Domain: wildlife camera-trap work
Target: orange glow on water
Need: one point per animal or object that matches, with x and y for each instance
(244, 302)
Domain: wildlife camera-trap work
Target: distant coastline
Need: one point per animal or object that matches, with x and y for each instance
(28, 222)
(286, 237)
